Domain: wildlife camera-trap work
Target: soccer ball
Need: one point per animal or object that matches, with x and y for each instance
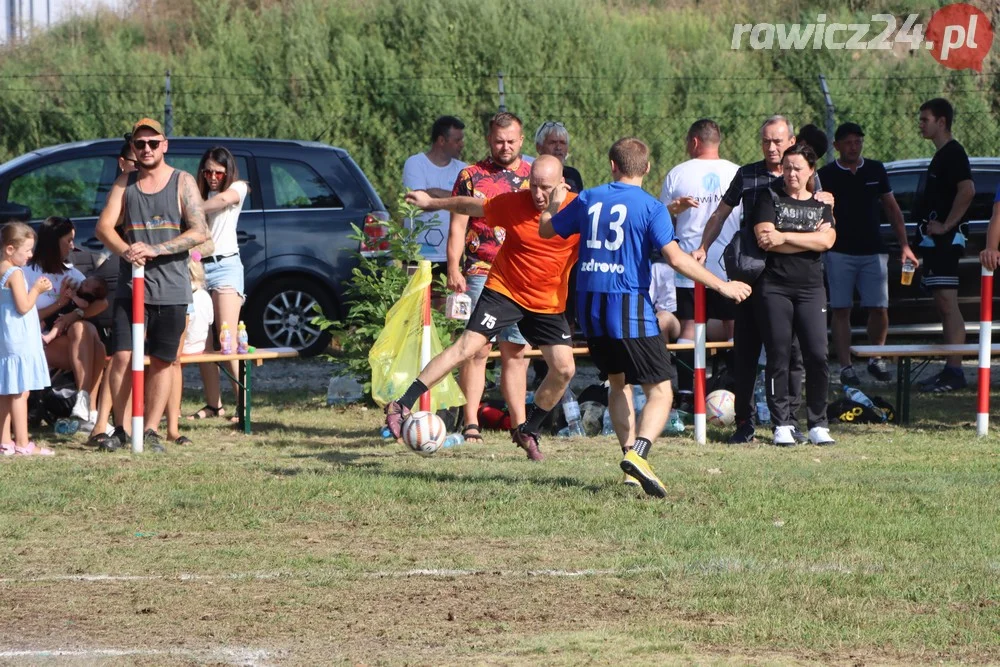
(720, 407)
(424, 432)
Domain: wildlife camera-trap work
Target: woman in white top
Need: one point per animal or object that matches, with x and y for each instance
(80, 349)
(224, 193)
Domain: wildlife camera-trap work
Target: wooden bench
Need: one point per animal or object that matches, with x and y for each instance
(243, 379)
(583, 350)
(904, 355)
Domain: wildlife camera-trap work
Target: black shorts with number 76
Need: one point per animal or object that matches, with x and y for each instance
(495, 311)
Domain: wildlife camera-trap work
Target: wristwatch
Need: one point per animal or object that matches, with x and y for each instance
(79, 312)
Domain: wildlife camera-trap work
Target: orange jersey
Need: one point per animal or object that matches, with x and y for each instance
(530, 270)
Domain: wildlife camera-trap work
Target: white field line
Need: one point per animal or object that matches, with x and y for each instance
(225, 655)
(723, 565)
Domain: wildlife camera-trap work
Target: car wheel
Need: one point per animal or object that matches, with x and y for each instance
(282, 313)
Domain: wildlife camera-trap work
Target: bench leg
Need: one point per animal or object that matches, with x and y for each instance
(906, 390)
(899, 389)
(245, 395)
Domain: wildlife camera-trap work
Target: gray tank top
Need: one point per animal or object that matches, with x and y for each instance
(153, 219)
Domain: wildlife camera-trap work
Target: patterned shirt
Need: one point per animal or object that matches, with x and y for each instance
(484, 180)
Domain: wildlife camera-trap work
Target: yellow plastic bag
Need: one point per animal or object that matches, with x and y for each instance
(395, 356)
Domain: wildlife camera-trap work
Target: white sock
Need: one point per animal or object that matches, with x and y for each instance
(93, 416)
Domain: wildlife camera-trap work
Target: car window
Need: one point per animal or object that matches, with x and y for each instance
(70, 189)
(904, 186)
(986, 190)
(297, 185)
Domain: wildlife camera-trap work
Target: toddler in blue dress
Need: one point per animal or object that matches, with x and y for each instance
(22, 359)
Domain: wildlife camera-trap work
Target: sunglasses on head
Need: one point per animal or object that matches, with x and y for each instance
(140, 144)
(552, 123)
(209, 173)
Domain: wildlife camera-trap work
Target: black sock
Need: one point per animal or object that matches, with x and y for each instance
(536, 415)
(413, 394)
(642, 447)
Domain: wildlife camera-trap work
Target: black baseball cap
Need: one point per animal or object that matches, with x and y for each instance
(846, 129)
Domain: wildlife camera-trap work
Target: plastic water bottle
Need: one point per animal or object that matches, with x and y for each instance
(571, 410)
(638, 400)
(607, 428)
(453, 440)
(67, 426)
(858, 396)
(675, 425)
(760, 399)
(225, 339)
(242, 340)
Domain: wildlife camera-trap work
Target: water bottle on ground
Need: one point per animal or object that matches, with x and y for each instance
(453, 440)
(760, 399)
(386, 433)
(607, 428)
(67, 426)
(225, 339)
(242, 339)
(675, 425)
(638, 400)
(858, 396)
(571, 410)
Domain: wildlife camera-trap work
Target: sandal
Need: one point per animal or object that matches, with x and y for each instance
(183, 440)
(208, 411)
(471, 433)
(7, 449)
(31, 449)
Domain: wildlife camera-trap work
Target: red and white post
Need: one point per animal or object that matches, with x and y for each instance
(138, 355)
(985, 343)
(700, 337)
(425, 343)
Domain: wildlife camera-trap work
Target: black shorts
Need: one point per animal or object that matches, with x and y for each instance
(717, 307)
(940, 266)
(164, 327)
(494, 312)
(642, 360)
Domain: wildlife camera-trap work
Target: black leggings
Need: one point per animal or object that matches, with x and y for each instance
(746, 352)
(785, 310)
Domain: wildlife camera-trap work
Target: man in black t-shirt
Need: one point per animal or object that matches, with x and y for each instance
(859, 258)
(942, 215)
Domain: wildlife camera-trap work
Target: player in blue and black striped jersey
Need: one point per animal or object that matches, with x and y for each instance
(619, 225)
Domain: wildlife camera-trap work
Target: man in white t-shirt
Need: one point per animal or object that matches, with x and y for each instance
(435, 172)
(692, 191)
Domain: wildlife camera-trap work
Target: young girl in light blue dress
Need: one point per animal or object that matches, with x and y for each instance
(22, 360)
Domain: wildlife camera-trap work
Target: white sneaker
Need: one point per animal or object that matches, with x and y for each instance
(820, 435)
(783, 436)
(81, 408)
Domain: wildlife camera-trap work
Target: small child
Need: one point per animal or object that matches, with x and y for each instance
(22, 360)
(89, 291)
(201, 313)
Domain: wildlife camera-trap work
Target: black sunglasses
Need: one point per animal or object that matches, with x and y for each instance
(141, 144)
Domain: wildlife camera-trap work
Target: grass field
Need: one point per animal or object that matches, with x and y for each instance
(313, 542)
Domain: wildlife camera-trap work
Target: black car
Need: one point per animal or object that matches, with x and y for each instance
(910, 305)
(293, 231)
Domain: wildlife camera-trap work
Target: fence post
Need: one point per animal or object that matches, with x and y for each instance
(830, 116)
(168, 108)
(503, 96)
(985, 346)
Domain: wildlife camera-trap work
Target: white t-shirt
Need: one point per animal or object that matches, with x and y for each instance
(199, 323)
(419, 173)
(706, 181)
(223, 223)
(662, 292)
(33, 273)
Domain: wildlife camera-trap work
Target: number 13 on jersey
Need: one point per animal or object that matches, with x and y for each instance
(611, 238)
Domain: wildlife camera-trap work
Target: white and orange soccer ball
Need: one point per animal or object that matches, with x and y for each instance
(720, 407)
(424, 432)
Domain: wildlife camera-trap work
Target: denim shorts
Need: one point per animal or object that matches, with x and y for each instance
(474, 287)
(226, 272)
(869, 274)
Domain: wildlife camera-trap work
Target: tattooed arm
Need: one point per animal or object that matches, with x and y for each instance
(193, 215)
